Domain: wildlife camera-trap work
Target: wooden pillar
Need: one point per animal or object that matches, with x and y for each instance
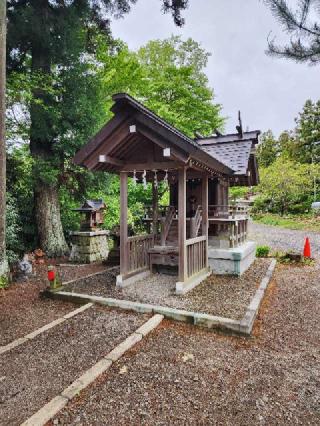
(205, 222)
(155, 208)
(123, 223)
(182, 207)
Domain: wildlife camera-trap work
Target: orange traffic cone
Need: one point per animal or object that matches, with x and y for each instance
(307, 248)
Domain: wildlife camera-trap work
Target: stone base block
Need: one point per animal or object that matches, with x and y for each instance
(89, 247)
(232, 261)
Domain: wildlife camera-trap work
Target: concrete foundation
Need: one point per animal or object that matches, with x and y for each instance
(234, 261)
(89, 247)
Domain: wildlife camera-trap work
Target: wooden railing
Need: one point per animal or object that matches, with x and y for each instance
(238, 232)
(227, 211)
(166, 223)
(196, 255)
(138, 246)
(162, 212)
(195, 222)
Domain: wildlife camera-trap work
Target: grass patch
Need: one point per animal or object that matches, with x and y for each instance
(299, 222)
(262, 251)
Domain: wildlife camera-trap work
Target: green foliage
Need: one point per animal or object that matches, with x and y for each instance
(4, 282)
(20, 191)
(168, 77)
(285, 186)
(267, 150)
(307, 148)
(13, 231)
(262, 251)
(237, 192)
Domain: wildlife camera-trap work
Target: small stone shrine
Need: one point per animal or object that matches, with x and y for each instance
(90, 244)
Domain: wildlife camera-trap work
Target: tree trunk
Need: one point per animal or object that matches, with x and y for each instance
(47, 206)
(48, 218)
(3, 259)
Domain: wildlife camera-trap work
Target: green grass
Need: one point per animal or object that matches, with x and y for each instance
(300, 222)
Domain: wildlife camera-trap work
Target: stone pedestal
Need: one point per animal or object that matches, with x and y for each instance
(89, 247)
(234, 261)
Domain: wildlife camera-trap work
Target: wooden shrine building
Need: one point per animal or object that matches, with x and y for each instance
(137, 143)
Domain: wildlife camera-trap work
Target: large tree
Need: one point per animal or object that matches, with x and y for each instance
(3, 260)
(302, 24)
(53, 44)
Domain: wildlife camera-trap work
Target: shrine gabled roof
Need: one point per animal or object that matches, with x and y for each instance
(229, 155)
(91, 206)
(128, 112)
(235, 155)
(235, 150)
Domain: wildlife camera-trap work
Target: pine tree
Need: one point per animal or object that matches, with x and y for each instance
(53, 44)
(268, 149)
(303, 28)
(308, 133)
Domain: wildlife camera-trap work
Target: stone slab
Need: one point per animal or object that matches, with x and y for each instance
(41, 330)
(232, 261)
(44, 328)
(89, 233)
(78, 311)
(246, 324)
(127, 344)
(150, 325)
(46, 413)
(12, 345)
(175, 314)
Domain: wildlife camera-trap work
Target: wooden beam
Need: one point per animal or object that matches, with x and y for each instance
(123, 223)
(205, 222)
(182, 208)
(111, 160)
(159, 165)
(118, 136)
(106, 131)
(163, 143)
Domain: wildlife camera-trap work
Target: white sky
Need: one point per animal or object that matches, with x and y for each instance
(269, 92)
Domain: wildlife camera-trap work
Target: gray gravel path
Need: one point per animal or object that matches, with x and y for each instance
(218, 295)
(284, 239)
(181, 375)
(35, 372)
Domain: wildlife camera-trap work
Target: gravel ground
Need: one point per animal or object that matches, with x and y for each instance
(217, 295)
(284, 239)
(187, 376)
(21, 308)
(35, 372)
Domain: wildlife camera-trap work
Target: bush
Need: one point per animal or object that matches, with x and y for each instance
(262, 251)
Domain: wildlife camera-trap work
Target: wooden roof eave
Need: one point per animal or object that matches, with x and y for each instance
(128, 112)
(88, 149)
(192, 152)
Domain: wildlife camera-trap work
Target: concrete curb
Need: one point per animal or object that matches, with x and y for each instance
(243, 326)
(88, 276)
(41, 330)
(48, 411)
(246, 324)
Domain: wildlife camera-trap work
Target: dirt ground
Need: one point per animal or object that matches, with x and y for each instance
(38, 370)
(227, 296)
(184, 375)
(22, 309)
